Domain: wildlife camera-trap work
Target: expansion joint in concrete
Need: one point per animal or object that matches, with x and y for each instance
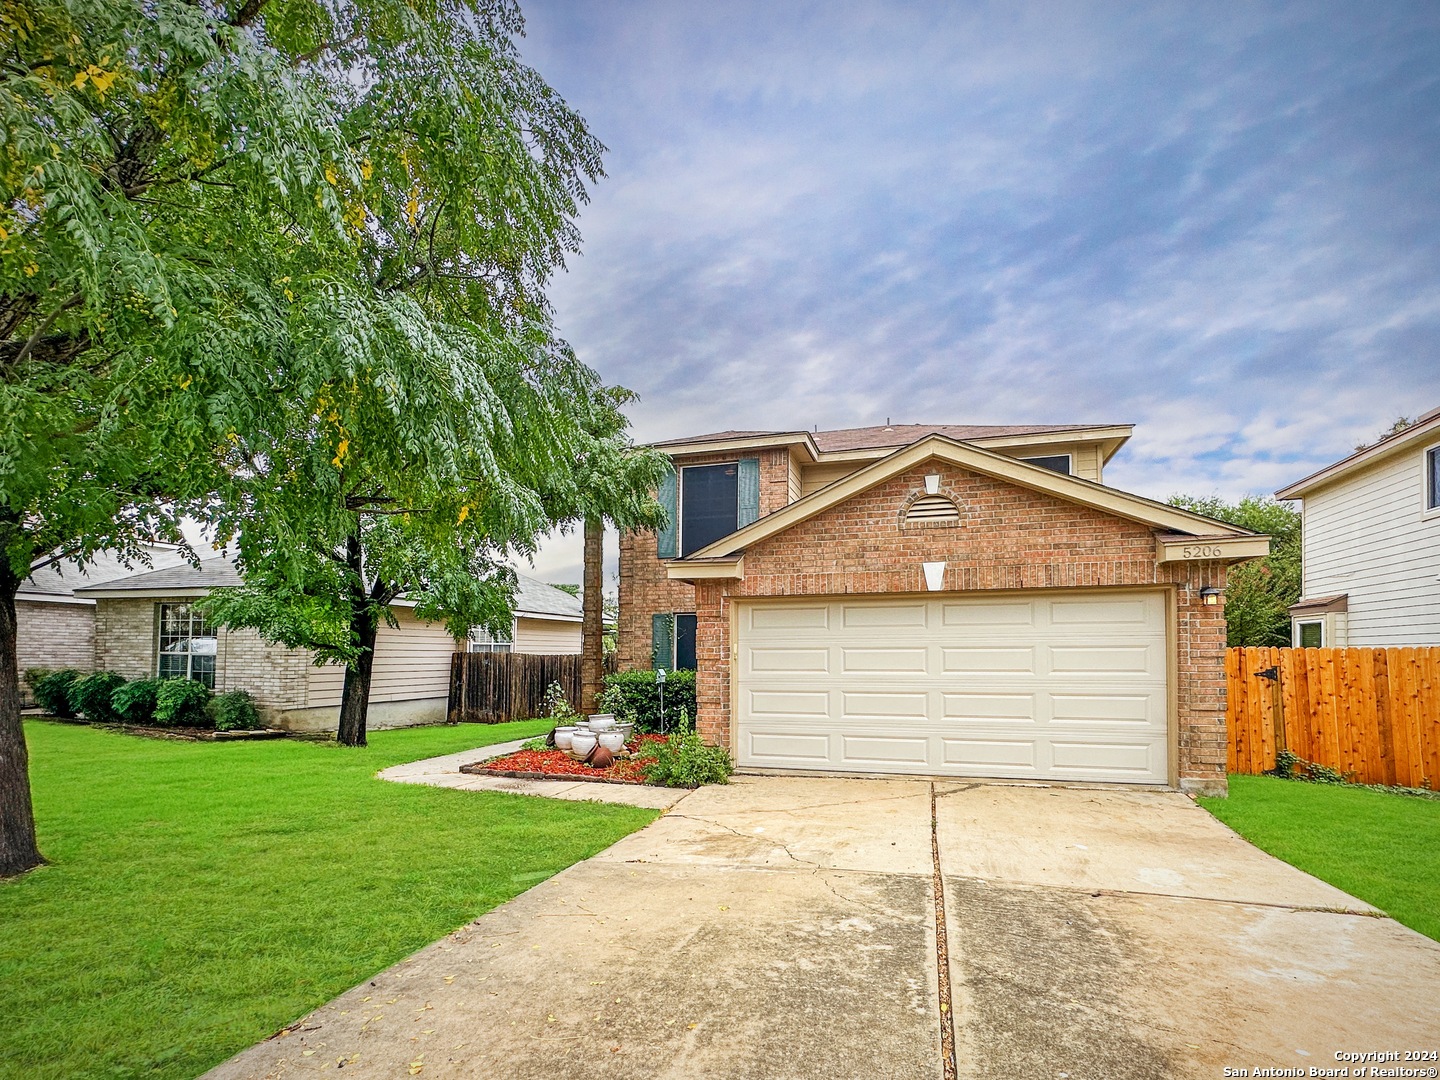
(942, 952)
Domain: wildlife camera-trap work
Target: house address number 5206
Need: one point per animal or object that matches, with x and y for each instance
(1200, 551)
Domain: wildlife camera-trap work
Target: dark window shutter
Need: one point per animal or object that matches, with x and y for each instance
(747, 488)
(665, 545)
(662, 638)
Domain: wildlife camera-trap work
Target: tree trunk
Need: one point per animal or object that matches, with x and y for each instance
(18, 851)
(592, 645)
(355, 698)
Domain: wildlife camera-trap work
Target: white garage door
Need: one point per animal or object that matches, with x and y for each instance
(1046, 686)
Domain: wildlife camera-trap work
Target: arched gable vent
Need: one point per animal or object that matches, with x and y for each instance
(932, 508)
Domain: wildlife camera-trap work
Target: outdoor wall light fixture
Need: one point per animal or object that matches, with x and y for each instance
(1210, 596)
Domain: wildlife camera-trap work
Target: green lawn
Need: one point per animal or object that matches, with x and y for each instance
(1380, 847)
(202, 895)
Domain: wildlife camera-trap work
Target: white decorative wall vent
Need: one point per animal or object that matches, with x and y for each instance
(932, 508)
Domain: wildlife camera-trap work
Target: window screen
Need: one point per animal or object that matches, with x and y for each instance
(187, 645)
(1432, 470)
(684, 642)
(1056, 463)
(708, 500)
(1312, 633)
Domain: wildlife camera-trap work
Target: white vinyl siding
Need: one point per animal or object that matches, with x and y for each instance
(1368, 536)
(411, 663)
(546, 636)
(1045, 686)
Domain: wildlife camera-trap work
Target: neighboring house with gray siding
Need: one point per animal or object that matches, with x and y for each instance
(147, 625)
(1371, 545)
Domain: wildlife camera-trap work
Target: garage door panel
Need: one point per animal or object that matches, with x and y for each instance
(894, 706)
(790, 618)
(788, 749)
(883, 661)
(884, 750)
(1064, 687)
(1004, 708)
(773, 703)
(778, 661)
(989, 615)
(1105, 614)
(1146, 709)
(986, 754)
(977, 660)
(863, 616)
(1104, 756)
(1101, 660)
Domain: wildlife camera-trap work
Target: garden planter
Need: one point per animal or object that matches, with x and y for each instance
(612, 739)
(582, 742)
(563, 737)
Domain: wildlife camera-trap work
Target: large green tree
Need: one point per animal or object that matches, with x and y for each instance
(245, 240)
(1258, 593)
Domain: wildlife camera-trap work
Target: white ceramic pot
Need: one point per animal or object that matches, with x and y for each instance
(602, 721)
(563, 737)
(581, 743)
(626, 728)
(612, 739)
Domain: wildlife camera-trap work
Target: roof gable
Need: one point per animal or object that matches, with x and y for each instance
(1072, 489)
(1423, 430)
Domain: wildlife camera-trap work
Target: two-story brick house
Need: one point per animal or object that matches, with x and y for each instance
(936, 600)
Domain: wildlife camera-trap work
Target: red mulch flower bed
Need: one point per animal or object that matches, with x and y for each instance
(536, 764)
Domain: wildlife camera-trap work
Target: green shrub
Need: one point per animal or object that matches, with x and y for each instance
(635, 695)
(557, 705)
(134, 703)
(235, 711)
(686, 760)
(33, 675)
(52, 692)
(90, 696)
(182, 703)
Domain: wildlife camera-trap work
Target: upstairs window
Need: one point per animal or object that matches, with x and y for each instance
(1432, 478)
(708, 504)
(1055, 463)
(187, 645)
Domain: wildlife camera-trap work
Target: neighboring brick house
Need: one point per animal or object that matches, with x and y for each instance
(937, 600)
(55, 628)
(147, 625)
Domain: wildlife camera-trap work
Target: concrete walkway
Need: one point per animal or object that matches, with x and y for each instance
(790, 928)
(445, 771)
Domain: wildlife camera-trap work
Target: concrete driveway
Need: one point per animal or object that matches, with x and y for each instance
(787, 928)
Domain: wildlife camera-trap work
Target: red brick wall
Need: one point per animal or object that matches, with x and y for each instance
(644, 588)
(1008, 537)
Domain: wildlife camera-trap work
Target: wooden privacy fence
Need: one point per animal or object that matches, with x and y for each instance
(1371, 714)
(493, 687)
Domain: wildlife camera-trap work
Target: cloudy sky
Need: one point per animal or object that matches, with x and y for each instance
(1217, 222)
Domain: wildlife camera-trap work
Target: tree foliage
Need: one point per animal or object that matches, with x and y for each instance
(281, 262)
(1258, 593)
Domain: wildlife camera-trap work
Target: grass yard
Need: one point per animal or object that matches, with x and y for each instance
(202, 895)
(1379, 847)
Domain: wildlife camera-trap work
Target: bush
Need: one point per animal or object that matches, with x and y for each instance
(685, 760)
(134, 702)
(182, 703)
(235, 711)
(634, 695)
(52, 692)
(90, 696)
(33, 675)
(557, 705)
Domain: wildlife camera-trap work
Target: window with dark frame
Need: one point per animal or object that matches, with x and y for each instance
(709, 504)
(1057, 463)
(1432, 475)
(684, 642)
(187, 645)
(1312, 635)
